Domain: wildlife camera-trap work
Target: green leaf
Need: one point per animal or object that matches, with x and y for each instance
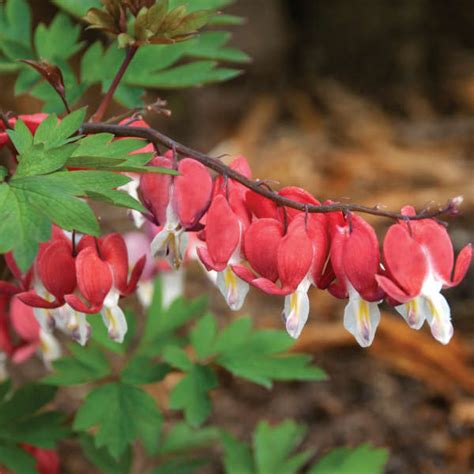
(234, 335)
(104, 145)
(26, 80)
(5, 388)
(59, 40)
(122, 413)
(25, 401)
(17, 459)
(257, 355)
(7, 67)
(142, 370)
(273, 447)
(203, 335)
(21, 227)
(182, 438)
(43, 430)
(351, 460)
(237, 456)
(85, 365)
(65, 210)
(39, 160)
(188, 75)
(82, 182)
(153, 58)
(69, 125)
(118, 199)
(101, 151)
(46, 130)
(19, 422)
(191, 394)
(75, 8)
(176, 357)
(180, 466)
(211, 45)
(262, 370)
(15, 29)
(91, 73)
(102, 459)
(196, 5)
(49, 151)
(179, 313)
(53, 133)
(161, 324)
(21, 137)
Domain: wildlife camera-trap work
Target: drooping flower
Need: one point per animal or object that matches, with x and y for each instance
(176, 203)
(56, 272)
(53, 277)
(419, 262)
(223, 234)
(226, 222)
(355, 260)
(287, 258)
(47, 460)
(21, 336)
(297, 257)
(102, 278)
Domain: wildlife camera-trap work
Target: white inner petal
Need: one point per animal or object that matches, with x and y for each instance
(361, 318)
(232, 288)
(296, 309)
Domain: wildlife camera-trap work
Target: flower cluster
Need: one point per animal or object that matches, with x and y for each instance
(242, 239)
(246, 239)
(73, 276)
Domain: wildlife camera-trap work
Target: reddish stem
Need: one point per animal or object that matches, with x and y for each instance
(97, 117)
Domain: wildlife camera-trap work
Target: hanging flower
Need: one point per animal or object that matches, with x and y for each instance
(21, 336)
(419, 263)
(176, 203)
(355, 259)
(102, 278)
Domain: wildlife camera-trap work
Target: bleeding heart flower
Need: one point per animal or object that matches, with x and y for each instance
(287, 258)
(262, 207)
(55, 269)
(355, 259)
(18, 318)
(54, 277)
(298, 259)
(176, 203)
(102, 277)
(47, 460)
(223, 236)
(419, 262)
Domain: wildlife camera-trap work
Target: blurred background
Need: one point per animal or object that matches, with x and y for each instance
(364, 101)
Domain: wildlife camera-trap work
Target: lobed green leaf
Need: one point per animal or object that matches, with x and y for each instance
(350, 460)
(121, 413)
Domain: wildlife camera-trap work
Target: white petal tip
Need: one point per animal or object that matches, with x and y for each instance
(116, 337)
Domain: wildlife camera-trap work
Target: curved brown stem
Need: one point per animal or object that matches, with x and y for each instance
(156, 138)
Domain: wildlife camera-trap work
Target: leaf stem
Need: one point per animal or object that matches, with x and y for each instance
(130, 53)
